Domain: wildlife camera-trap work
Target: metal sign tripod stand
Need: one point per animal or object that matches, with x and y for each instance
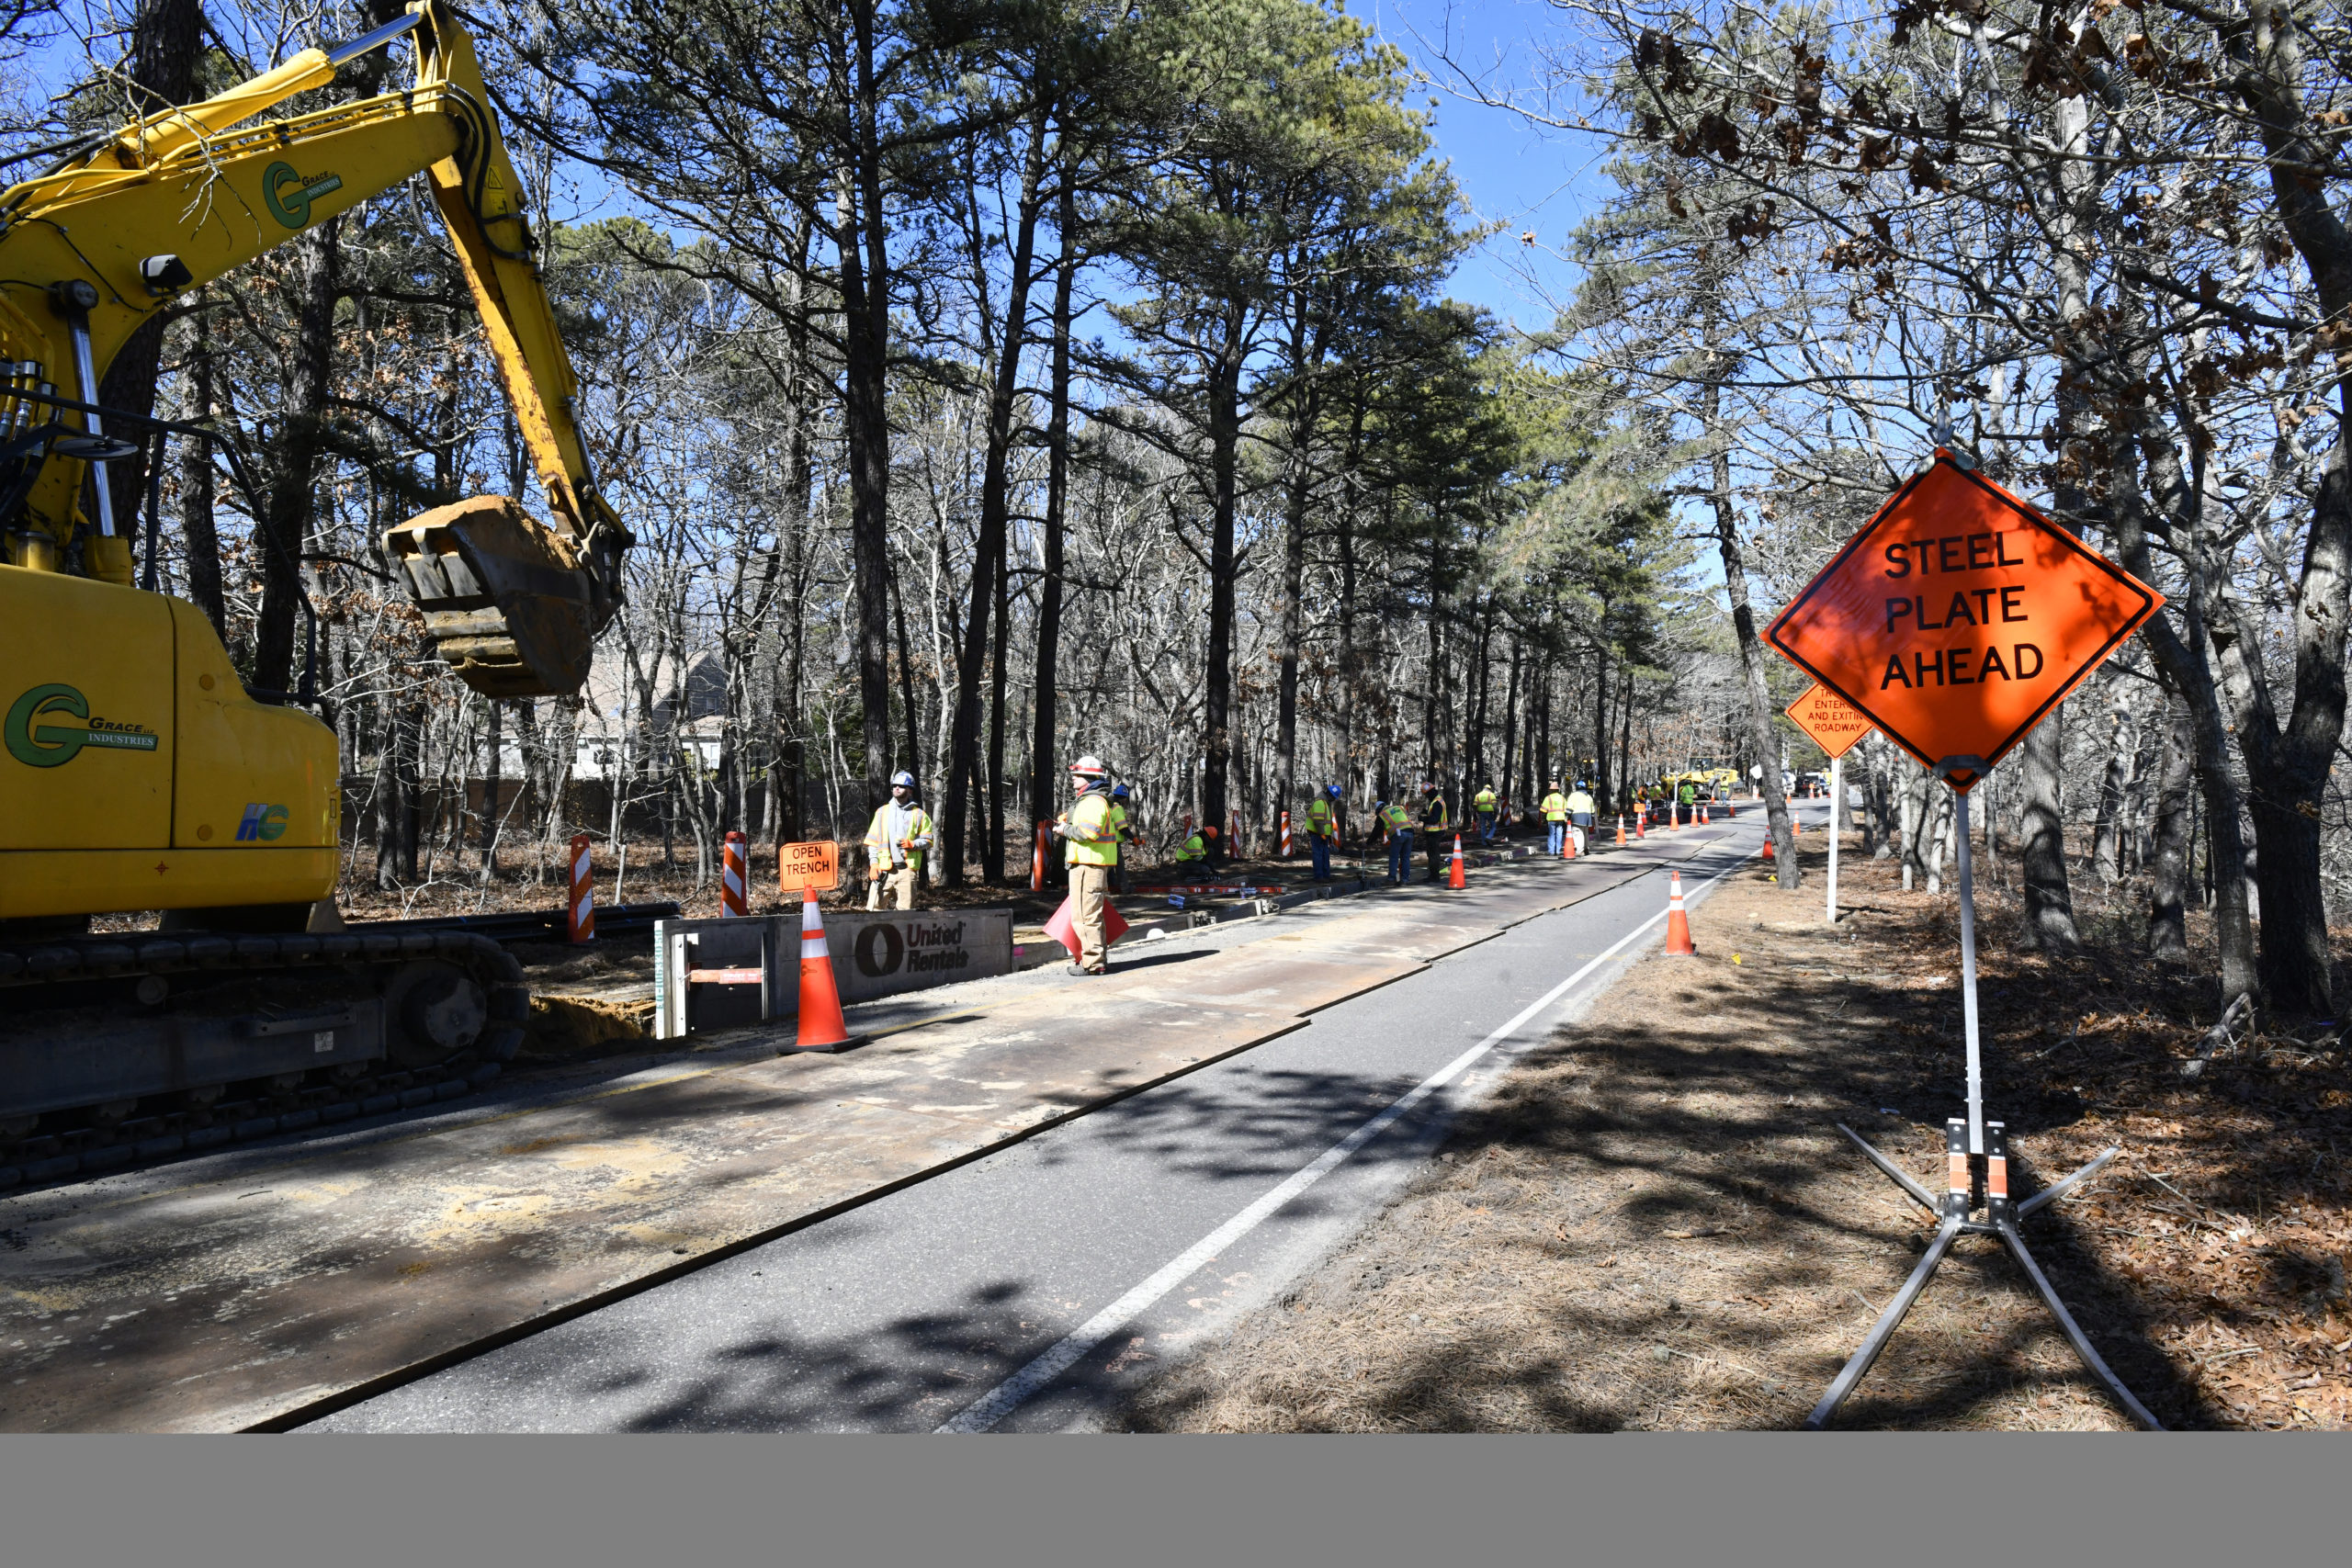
(1962, 1141)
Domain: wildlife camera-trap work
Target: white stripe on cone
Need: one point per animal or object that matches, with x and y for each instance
(812, 930)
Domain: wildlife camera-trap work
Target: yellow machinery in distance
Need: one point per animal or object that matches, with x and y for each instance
(1720, 782)
(137, 771)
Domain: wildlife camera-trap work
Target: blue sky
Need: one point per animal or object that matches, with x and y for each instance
(1516, 174)
(1522, 175)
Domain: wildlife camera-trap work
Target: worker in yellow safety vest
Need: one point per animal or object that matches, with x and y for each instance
(1193, 852)
(1322, 830)
(1556, 816)
(1433, 824)
(1484, 804)
(1398, 822)
(1092, 851)
(895, 842)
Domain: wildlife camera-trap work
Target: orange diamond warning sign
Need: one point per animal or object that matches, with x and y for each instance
(1958, 617)
(1829, 720)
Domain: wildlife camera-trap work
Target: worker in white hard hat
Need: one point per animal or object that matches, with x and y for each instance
(895, 841)
(1091, 837)
(1581, 808)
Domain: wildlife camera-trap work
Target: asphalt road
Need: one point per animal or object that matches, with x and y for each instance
(1036, 1282)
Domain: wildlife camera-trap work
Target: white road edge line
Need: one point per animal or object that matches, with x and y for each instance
(1022, 1386)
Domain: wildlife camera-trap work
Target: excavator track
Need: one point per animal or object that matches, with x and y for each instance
(118, 1050)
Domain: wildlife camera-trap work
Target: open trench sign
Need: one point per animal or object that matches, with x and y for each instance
(1828, 720)
(801, 866)
(1958, 618)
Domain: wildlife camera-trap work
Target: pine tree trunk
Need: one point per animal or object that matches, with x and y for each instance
(865, 421)
(989, 549)
(490, 783)
(1511, 726)
(1042, 757)
(2041, 838)
(1299, 486)
(301, 441)
(166, 37)
(992, 864)
(2168, 896)
(2107, 831)
(198, 535)
(1760, 708)
(1600, 723)
(1224, 442)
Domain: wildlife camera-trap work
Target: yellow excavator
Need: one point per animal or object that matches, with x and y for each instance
(138, 771)
(1720, 782)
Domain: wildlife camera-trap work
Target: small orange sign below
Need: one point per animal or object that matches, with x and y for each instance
(817, 864)
(1958, 618)
(1829, 720)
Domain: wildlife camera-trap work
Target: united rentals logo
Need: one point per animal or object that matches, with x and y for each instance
(883, 949)
(289, 195)
(41, 745)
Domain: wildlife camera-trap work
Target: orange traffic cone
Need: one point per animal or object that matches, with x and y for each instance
(1703, 817)
(1768, 846)
(1621, 829)
(822, 1028)
(1640, 818)
(1568, 843)
(1677, 923)
(1457, 879)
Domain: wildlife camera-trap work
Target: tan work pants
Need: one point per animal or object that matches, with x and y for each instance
(901, 884)
(1090, 885)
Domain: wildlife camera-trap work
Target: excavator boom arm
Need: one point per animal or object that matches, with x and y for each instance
(80, 250)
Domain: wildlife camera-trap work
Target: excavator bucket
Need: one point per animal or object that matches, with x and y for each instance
(505, 600)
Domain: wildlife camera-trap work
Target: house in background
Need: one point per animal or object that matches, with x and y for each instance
(693, 709)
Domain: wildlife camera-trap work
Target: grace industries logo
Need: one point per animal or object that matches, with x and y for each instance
(289, 195)
(41, 745)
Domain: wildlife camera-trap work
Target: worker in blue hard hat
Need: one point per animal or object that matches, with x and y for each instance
(1129, 837)
(895, 841)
